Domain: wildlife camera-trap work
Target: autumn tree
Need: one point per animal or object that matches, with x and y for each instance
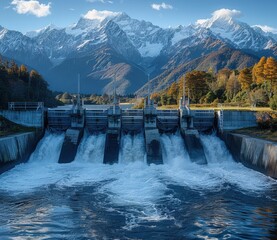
(222, 77)
(232, 86)
(197, 84)
(245, 78)
(23, 73)
(270, 74)
(258, 71)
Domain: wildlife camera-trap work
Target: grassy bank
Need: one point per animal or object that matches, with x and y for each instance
(7, 127)
(210, 107)
(266, 134)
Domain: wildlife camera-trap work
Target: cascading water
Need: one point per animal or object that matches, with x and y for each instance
(48, 149)
(132, 148)
(173, 149)
(91, 149)
(180, 199)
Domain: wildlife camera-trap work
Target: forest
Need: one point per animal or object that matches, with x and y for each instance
(18, 84)
(253, 86)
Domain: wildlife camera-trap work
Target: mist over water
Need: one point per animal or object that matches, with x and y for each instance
(177, 198)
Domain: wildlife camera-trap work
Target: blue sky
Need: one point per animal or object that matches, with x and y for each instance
(26, 15)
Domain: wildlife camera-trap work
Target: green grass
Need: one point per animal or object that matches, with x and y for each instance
(210, 107)
(266, 134)
(8, 128)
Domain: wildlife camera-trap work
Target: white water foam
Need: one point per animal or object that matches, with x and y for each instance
(220, 171)
(134, 183)
(91, 149)
(221, 163)
(48, 149)
(39, 170)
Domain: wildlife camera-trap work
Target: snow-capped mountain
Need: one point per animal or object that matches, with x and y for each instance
(98, 43)
(17, 46)
(224, 25)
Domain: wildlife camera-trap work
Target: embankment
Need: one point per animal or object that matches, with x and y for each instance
(17, 148)
(255, 153)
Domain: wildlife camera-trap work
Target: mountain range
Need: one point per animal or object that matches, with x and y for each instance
(127, 54)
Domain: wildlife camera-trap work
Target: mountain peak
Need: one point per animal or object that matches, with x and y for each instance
(100, 15)
(220, 19)
(35, 33)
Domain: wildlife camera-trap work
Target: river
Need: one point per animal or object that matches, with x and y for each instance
(86, 199)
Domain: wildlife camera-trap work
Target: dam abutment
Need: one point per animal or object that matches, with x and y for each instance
(258, 154)
(17, 148)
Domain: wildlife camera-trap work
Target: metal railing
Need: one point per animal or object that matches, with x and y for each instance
(37, 106)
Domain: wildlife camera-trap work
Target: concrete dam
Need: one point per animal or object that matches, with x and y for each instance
(116, 122)
(126, 135)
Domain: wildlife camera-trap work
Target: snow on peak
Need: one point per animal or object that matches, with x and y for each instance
(3, 32)
(100, 15)
(220, 18)
(265, 28)
(35, 33)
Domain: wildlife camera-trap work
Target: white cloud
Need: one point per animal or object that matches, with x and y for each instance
(226, 13)
(266, 28)
(201, 21)
(99, 15)
(223, 13)
(33, 7)
(102, 1)
(158, 7)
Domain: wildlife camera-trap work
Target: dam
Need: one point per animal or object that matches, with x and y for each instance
(115, 122)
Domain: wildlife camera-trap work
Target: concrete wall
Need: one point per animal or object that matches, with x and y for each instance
(17, 148)
(258, 154)
(26, 118)
(230, 119)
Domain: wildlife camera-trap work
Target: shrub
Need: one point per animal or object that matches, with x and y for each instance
(273, 102)
(263, 120)
(267, 120)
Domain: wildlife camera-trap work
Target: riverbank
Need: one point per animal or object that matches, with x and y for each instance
(256, 132)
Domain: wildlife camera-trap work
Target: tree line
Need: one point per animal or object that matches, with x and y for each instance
(17, 84)
(255, 86)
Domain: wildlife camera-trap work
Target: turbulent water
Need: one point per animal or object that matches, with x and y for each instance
(86, 199)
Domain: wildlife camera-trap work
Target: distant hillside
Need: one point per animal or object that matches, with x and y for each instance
(18, 84)
(225, 57)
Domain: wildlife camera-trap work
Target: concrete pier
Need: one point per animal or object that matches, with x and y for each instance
(70, 145)
(152, 136)
(191, 136)
(113, 135)
(73, 135)
(194, 146)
